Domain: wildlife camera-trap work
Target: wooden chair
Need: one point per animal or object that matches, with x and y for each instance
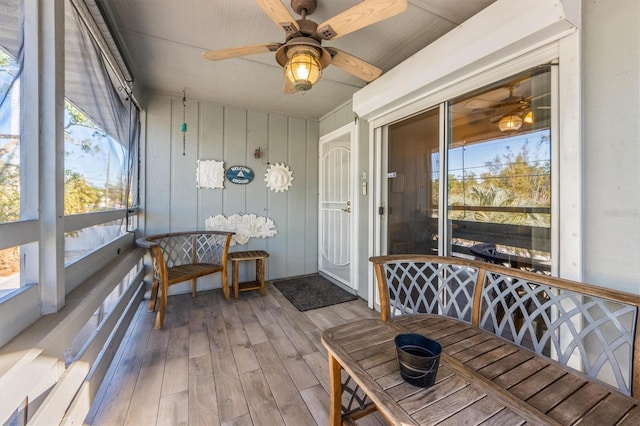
(183, 256)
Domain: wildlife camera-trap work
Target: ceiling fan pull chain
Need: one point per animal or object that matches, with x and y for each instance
(183, 128)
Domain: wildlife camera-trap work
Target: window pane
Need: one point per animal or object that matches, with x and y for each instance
(413, 182)
(9, 138)
(10, 266)
(95, 166)
(499, 173)
(9, 270)
(82, 242)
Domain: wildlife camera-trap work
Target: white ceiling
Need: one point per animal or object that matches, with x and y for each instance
(164, 40)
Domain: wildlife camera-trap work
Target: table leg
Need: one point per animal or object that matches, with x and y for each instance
(261, 277)
(236, 282)
(335, 389)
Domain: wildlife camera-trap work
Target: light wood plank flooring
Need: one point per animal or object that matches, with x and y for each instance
(258, 361)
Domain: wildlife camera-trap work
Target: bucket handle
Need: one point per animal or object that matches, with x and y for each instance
(420, 376)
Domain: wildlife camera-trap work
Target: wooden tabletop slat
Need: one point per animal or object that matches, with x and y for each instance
(471, 338)
(383, 369)
(504, 417)
(613, 408)
(519, 373)
(579, 403)
(355, 331)
(379, 358)
(413, 401)
(459, 337)
(452, 403)
(494, 356)
(556, 392)
(433, 332)
(410, 321)
(630, 419)
(506, 364)
(531, 385)
(479, 412)
(479, 349)
(359, 349)
(392, 380)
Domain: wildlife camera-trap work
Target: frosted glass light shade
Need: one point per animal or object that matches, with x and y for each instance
(510, 123)
(302, 69)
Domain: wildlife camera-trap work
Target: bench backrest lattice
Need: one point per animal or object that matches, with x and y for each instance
(430, 288)
(593, 334)
(181, 249)
(585, 327)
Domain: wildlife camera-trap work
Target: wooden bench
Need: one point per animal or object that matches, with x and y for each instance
(587, 329)
(183, 256)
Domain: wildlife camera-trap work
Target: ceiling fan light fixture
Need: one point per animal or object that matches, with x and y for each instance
(510, 123)
(303, 68)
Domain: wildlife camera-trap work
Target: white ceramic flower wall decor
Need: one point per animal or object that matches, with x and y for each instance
(210, 174)
(278, 177)
(245, 226)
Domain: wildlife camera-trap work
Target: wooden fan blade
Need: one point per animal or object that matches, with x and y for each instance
(353, 65)
(365, 13)
(234, 52)
(279, 14)
(288, 88)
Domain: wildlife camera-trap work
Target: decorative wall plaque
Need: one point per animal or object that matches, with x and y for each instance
(245, 226)
(210, 174)
(278, 177)
(241, 175)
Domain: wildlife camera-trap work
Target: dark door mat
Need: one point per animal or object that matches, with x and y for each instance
(312, 292)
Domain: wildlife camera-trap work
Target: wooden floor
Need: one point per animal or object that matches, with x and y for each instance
(258, 361)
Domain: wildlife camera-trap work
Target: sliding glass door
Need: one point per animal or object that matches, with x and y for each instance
(413, 170)
(495, 147)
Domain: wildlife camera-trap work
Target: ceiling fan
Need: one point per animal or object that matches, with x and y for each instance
(302, 55)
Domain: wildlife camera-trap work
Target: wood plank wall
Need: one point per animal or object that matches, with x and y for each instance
(172, 201)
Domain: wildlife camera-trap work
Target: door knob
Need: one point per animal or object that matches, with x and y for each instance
(348, 210)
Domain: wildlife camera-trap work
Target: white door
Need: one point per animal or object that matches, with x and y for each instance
(337, 207)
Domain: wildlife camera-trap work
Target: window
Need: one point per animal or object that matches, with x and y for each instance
(499, 172)
(95, 166)
(100, 131)
(9, 137)
(10, 124)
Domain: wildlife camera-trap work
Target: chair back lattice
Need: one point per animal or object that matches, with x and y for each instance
(592, 334)
(181, 249)
(431, 288)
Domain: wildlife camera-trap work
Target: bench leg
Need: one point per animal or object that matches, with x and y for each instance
(163, 307)
(194, 283)
(154, 295)
(225, 284)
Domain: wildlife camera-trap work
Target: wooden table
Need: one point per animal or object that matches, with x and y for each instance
(260, 257)
(482, 379)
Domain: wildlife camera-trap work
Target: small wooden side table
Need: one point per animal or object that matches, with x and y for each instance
(260, 257)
